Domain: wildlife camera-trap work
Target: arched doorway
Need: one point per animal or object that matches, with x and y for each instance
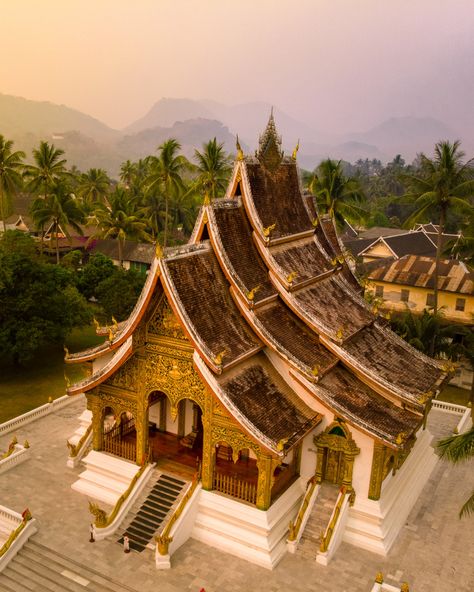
(336, 453)
(175, 434)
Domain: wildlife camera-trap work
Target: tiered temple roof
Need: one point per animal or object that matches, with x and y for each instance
(264, 274)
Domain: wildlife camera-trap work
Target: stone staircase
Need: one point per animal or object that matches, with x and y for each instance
(318, 521)
(41, 569)
(147, 515)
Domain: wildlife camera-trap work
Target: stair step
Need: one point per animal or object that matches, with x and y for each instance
(172, 479)
(145, 534)
(9, 583)
(31, 573)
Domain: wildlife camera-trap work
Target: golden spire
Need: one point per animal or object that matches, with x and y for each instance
(207, 199)
(240, 152)
(295, 151)
(158, 251)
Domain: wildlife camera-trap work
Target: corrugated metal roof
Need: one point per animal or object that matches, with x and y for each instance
(418, 271)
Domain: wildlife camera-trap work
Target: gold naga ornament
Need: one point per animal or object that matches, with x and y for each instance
(252, 292)
(290, 278)
(266, 231)
(295, 151)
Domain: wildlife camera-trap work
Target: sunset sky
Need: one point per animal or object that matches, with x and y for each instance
(337, 64)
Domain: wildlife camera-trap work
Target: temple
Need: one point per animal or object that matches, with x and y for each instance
(252, 355)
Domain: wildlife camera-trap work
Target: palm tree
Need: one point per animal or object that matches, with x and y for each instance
(59, 210)
(459, 448)
(93, 187)
(336, 194)
(213, 168)
(10, 177)
(166, 171)
(48, 169)
(443, 184)
(121, 220)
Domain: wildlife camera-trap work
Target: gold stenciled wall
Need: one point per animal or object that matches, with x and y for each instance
(162, 361)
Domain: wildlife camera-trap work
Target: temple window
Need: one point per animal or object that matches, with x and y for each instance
(460, 304)
(379, 291)
(404, 295)
(430, 300)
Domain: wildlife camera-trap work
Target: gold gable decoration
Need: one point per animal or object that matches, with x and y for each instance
(269, 151)
(164, 323)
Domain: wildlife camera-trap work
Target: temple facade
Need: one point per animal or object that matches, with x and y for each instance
(252, 357)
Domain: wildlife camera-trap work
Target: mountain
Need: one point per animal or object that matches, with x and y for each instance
(191, 134)
(20, 116)
(406, 136)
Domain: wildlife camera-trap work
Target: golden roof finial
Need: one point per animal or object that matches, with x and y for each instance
(240, 152)
(111, 334)
(340, 332)
(66, 352)
(114, 321)
(290, 278)
(295, 151)
(96, 323)
(266, 231)
(220, 356)
(158, 251)
(207, 199)
(315, 222)
(315, 370)
(68, 383)
(253, 291)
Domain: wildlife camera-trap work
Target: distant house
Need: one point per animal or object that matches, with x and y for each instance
(376, 244)
(135, 255)
(408, 283)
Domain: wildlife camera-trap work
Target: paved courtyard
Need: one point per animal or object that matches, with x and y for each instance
(434, 552)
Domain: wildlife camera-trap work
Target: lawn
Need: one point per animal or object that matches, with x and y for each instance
(454, 394)
(24, 388)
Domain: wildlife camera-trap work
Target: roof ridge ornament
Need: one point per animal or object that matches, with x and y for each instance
(295, 151)
(269, 151)
(240, 152)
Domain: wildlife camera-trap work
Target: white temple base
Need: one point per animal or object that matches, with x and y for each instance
(106, 477)
(374, 525)
(243, 530)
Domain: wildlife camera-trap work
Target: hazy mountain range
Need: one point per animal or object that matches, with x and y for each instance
(90, 143)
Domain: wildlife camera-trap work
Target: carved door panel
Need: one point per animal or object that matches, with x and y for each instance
(334, 466)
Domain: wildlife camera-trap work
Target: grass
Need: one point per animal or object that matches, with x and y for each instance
(24, 388)
(454, 394)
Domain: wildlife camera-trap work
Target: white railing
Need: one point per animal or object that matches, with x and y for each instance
(34, 414)
(19, 529)
(465, 422)
(448, 407)
(19, 455)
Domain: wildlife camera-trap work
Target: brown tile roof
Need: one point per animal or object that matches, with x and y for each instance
(235, 234)
(277, 199)
(378, 231)
(331, 304)
(454, 276)
(361, 405)
(204, 296)
(381, 352)
(132, 251)
(302, 256)
(294, 336)
(267, 402)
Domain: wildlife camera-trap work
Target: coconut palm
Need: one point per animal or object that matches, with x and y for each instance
(459, 448)
(121, 219)
(336, 194)
(443, 184)
(10, 176)
(48, 169)
(166, 175)
(59, 211)
(93, 187)
(213, 168)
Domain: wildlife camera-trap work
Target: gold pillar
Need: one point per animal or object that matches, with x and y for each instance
(265, 482)
(348, 469)
(141, 426)
(376, 475)
(163, 404)
(97, 423)
(319, 464)
(182, 418)
(208, 454)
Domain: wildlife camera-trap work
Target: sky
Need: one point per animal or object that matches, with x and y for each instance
(339, 65)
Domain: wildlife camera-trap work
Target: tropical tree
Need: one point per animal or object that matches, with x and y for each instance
(336, 194)
(213, 169)
(93, 187)
(166, 174)
(121, 219)
(459, 448)
(10, 176)
(48, 169)
(443, 184)
(59, 211)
